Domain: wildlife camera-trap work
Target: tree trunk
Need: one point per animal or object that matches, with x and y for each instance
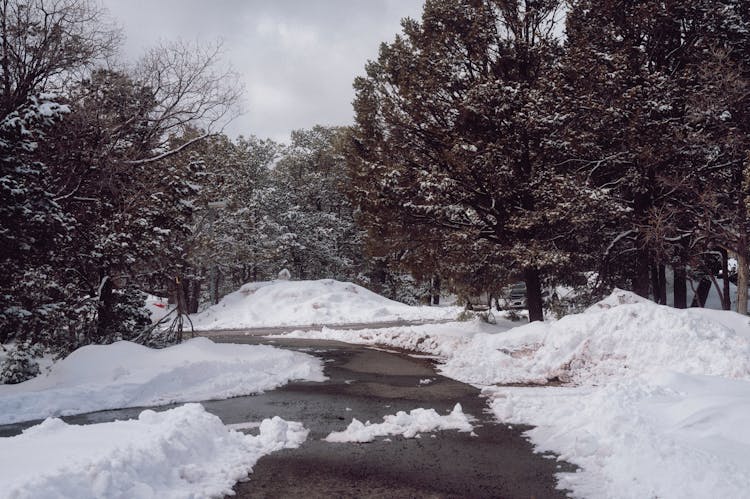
(436, 290)
(215, 280)
(655, 282)
(726, 298)
(186, 288)
(701, 294)
(742, 270)
(195, 296)
(680, 286)
(662, 284)
(742, 278)
(179, 298)
(105, 315)
(533, 294)
(641, 277)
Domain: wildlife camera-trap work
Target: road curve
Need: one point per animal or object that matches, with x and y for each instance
(367, 384)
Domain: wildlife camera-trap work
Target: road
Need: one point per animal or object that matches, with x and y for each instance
(366, 384)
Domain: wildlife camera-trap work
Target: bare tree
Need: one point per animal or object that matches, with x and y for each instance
(45, 42)
(191, 88)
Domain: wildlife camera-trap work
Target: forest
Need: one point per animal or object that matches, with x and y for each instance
(593, 144)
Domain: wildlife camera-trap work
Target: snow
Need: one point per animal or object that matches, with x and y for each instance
(126, 374)
(435, 340)
(157, 307)
(408, 425)
(607, 341)
(295, 303)
(180, 453)
(666, 435)
(654, 402)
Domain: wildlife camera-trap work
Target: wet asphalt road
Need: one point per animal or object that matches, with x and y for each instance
(367, 384)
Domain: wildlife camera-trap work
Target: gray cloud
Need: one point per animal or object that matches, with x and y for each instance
(297, 59)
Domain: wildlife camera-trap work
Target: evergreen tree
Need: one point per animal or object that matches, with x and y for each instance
(632, 73)
(309, 215)
(455, 143)
(41, 47)
(34, 297)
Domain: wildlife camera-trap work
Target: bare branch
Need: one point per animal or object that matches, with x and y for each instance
(171, 151)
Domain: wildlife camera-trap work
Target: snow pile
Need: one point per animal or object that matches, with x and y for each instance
(407, 425)
(326, 301)
(660, 389)
(669, 435)
(182, 452)
(441, 340)
(126, 374)
(624, 335)
(657, 402)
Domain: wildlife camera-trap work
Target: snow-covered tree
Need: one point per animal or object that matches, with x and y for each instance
(635, 78)
(95, 211)
(455, 143)
(308, 215)
(42, 46)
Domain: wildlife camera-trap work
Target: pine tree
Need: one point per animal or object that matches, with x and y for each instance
(34, 299)
(455, 142)
(632, 77)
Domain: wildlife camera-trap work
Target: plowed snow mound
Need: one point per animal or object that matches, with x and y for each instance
(124, 374)
(295, 303)
(623, 335)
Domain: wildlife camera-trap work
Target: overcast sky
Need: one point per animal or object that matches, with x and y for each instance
(297, 58)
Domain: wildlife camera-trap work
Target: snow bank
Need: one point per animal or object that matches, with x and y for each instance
(442, 340)
(284, 303)
(657, 402)
(126, 374)
(179, 453)
(668, 435)
(663, 403)
(407, 425)
(624, 335)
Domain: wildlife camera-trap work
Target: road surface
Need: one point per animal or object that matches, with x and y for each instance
(368, 384)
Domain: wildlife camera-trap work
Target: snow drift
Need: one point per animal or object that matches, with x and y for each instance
(126, 374)
(183, 452)
(666, 435)
(326, 301)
